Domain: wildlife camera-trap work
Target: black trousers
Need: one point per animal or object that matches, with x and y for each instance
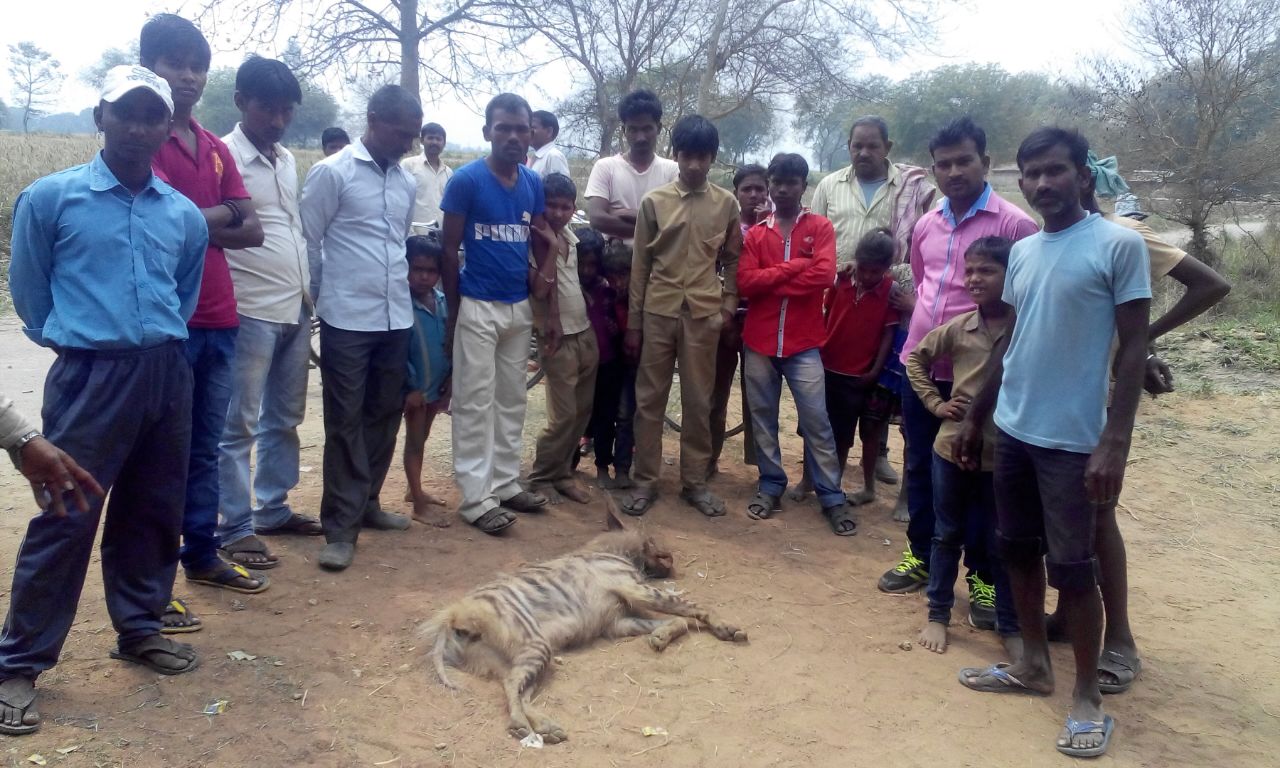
(125, 416)
(362, 377)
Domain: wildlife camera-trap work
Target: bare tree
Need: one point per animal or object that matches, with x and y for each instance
(36, 80)
(445, 40)
(1200, 113)
(94, 74)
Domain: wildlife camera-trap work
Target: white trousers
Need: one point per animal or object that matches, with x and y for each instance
(490, 359)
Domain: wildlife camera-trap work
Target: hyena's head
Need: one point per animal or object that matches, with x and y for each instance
(653, 559)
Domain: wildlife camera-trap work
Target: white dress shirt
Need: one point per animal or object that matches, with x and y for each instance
(271, 280)
(548, 159)
(431, 181)
(355, 219)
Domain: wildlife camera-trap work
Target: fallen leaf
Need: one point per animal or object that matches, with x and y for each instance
(67, 750)
(37, 759)
(653, 730)
(240, 656)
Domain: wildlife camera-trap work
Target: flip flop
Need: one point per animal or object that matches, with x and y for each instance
(495, 521)
(19, 693)
(1002, 681)
(1123, 669)
(238, 552)
(177, 607)
(225, 576)
(527, 502)
(296, 525)
(705, 502)
(143, 653)
(837, 516)
(638, 502)
(1106, 727)
(764, 506)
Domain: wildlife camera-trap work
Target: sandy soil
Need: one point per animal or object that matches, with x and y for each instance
(339, 677)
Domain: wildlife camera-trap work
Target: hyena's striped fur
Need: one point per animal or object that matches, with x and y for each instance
(508, 630)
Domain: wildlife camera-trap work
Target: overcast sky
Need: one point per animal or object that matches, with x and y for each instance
(1020, 35)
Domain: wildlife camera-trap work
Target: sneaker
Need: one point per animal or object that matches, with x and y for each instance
(885, 472)
(907, 576)
(982, 603)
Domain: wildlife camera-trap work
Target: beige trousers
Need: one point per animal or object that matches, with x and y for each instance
(571, 389)
(693, 342)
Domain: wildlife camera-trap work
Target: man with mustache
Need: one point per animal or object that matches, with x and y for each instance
(970, 210)
(618, 183)
(493, 206)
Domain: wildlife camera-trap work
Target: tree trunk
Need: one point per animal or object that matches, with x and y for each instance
(409, 41)
(707, 82)
(1198, 246)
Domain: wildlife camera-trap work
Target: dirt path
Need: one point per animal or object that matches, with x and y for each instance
(340, 679)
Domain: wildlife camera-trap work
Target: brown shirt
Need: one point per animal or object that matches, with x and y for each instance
(680, 233)
(967, 340)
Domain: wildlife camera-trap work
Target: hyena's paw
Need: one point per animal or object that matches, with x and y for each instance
(658, 640)
(551, 731)
(519, 728)
(729, 634)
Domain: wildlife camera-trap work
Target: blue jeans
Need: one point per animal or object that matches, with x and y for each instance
(211, 352)
(807, 380)
(964, 505)
(268, 400)
(919, 429)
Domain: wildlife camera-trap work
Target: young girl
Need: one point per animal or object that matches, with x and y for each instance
(430, 372)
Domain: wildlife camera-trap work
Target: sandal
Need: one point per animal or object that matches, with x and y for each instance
(638, 502)
(998, 680)
(251, 552)
(495, 521)
(230, 576)
(1124, 671)
(704, 501)
(1074, 728)
(19, 694)
(149, 650)
(764, 506)
(841, 519)
(297, 525)
(525, 501)
(178, 619)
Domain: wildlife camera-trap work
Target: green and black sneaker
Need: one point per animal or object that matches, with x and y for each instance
(907, 576)
(982, 603)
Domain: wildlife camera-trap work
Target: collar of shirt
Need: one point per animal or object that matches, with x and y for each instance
(204, 143)
(101, 179)
(247, 152)
(544, 150)
(976, 324)
(772, 221)
(891, 178)
(439, 294)
(978, 205)
(361, 153)
(685, 191)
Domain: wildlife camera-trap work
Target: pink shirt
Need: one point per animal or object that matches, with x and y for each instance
(938, 244)
(207, 179)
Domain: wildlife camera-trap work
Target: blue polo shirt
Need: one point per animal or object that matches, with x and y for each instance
(96, 267)
(495, 238)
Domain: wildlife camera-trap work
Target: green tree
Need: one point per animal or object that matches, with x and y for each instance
(217, 109)
(745, 131)
(94, 74)
(36, 80)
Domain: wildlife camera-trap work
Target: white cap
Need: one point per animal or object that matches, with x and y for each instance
(125, 79)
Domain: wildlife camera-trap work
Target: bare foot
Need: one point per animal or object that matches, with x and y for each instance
(1012, 646)
(603, 481)
(801, 490)
(861, 497)
(900, 513)
(574, 492)
(622, 480)
(934, 637)
(431, 498)
(546, 491)
(437, 518)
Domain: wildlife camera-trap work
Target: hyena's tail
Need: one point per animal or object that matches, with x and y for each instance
(436, 632)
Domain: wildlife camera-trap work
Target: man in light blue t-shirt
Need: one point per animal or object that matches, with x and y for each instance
(491, 208)
(1060, 453)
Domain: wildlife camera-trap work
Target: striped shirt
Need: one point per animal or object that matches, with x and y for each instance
(840, 198)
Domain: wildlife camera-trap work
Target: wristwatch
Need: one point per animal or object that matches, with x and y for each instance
(15, 450)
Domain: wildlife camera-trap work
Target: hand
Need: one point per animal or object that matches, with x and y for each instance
(955, 408)
(446, 391)
(902, 301)
(52, 473)
(1159, 379)
(866, 381)
(544, 232)
(763, 210)
(966, 447)
(631, 344)
(731, 334)
(414, 401)
(1104, 474)
(550, 337)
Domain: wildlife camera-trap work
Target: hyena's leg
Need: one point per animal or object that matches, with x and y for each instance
(632, 626)
(647, 598)
(526, 667)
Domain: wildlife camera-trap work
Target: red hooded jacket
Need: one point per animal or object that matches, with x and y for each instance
(785, 281)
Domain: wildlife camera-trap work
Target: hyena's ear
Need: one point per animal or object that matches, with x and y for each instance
(611, 520)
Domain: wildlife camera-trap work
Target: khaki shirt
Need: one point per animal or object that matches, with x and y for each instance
(573, 305)
(680, 233)
(968, 341)
(1162, 255)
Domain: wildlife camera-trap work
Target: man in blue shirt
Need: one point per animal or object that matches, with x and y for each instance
(1060, 452)
(106, 269)
(492, 206)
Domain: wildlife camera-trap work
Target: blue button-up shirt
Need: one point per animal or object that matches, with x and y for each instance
(97, 267)
(355, 219)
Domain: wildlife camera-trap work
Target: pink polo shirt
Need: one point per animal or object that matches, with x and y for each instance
(938, 244)
(207, 178)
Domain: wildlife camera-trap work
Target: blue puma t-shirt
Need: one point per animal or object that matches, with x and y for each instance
(496, 235)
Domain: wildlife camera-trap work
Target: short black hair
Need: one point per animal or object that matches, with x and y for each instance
(617, 258)
(433, 129)
(548, 120)
(590, 242)
(876, 248)
(1041, 140)
(557, 186)
(423, 246)
(875, 121)
(695, 135)
(994, 248)
(330, 135)
(391, 102)
(640, 103)
(746, 172)
(168, 35)
(507, 102)
(267, 81)
(789, 165)
(956, 131)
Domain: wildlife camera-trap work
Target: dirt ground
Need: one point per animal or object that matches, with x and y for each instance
(339, 677)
